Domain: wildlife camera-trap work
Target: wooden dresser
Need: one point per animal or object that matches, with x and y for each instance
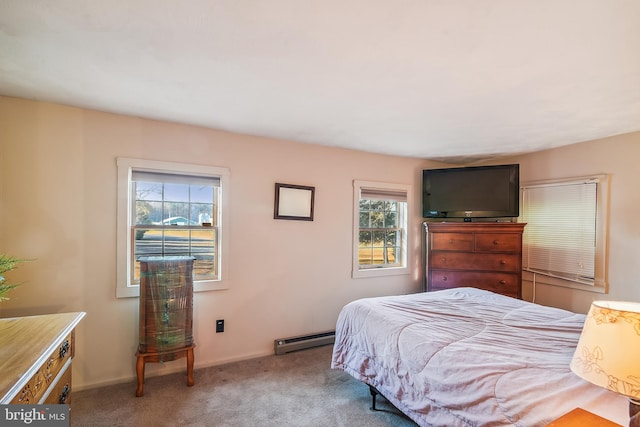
(485, 255)
(35, 358)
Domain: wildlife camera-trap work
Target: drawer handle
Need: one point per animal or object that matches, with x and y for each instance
(451, 241)
(496, 242)
(63, 396)
(444, 278)
(502, 282)
(64, 349)
(503, 262)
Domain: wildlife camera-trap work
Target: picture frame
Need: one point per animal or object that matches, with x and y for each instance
(293, 202)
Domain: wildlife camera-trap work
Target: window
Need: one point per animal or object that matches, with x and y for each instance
(170, 209)
(380, 229)
(565, 236)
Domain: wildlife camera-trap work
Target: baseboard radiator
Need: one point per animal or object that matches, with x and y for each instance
(302, 342)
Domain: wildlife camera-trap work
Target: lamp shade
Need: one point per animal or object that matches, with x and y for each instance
(608, 352)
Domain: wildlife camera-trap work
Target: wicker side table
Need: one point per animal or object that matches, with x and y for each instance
(166, 314)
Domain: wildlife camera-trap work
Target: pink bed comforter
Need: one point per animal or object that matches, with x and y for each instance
(467, 357)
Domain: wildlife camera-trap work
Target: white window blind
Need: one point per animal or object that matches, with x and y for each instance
(560, 237)
(383, 194)
(165, 178)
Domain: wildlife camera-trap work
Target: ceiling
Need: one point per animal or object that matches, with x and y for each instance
(451, 80)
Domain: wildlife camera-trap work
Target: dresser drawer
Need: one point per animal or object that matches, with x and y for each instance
(452, 242)
(61, 392)
(498, 242)
(475, 261)
(46, 373)
(502, 283)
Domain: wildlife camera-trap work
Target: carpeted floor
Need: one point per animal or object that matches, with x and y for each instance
(296, 389)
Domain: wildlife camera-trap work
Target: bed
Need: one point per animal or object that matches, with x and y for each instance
(469, 357)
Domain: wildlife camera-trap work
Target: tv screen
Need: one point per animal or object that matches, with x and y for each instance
(471, 192)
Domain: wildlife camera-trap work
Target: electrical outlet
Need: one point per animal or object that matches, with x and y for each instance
(220, 325)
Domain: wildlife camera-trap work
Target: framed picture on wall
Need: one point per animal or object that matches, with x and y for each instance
(293, 202)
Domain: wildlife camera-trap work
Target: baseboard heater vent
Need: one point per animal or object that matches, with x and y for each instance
(302, 342)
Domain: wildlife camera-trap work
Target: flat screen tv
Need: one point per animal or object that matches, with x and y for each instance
(471, 192)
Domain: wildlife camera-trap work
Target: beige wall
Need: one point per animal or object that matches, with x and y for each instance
(58, 206)
(619, 157)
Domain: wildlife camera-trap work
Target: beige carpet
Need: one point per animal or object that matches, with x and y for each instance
(297, 389)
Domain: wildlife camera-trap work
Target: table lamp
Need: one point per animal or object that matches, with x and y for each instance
(608, 352)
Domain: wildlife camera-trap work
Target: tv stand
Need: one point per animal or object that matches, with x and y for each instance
(485, 255)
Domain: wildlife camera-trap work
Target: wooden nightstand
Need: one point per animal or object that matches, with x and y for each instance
(581, 418)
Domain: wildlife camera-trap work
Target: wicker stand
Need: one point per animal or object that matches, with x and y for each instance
(166, 313)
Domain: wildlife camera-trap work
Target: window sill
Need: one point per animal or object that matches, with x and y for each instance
(379, 272)
(204, 286)
(539, 278)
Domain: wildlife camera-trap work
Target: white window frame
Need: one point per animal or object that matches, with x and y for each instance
(356, 271)
(124, 287)
(600, 282)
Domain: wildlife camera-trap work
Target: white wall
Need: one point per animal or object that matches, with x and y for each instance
(58, 206)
